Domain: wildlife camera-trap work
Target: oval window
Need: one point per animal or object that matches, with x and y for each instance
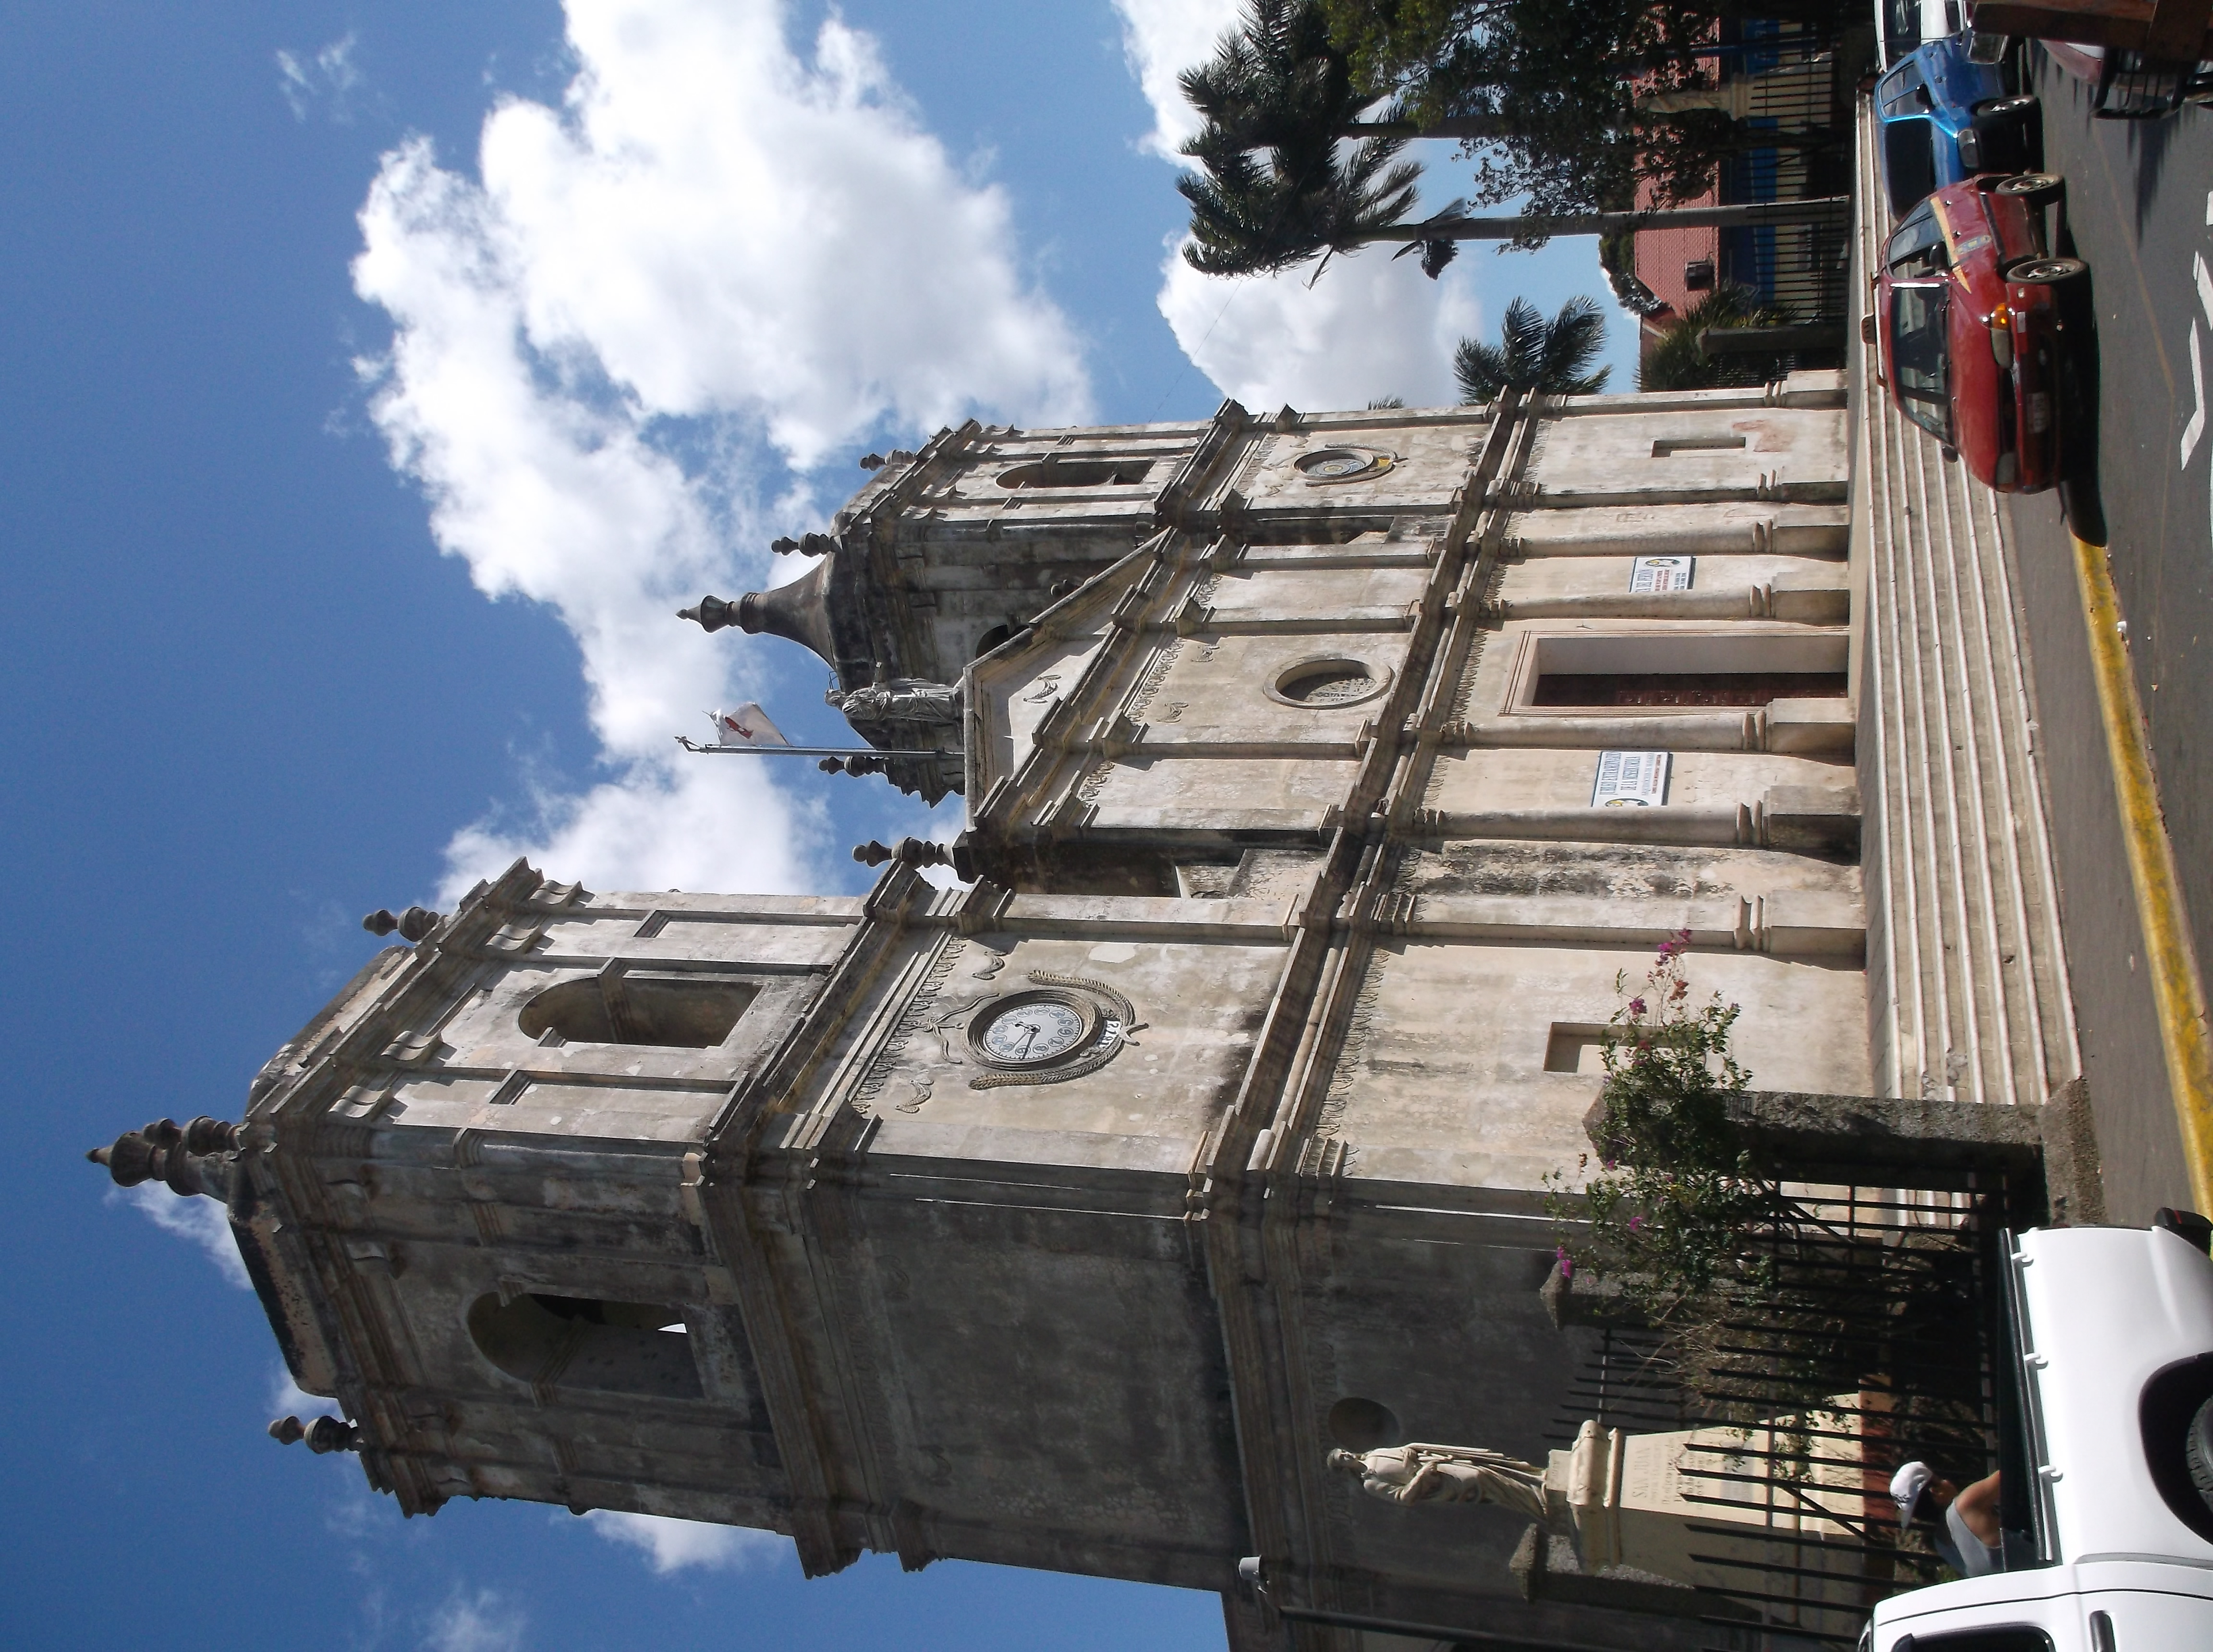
(1342, 464)
(1326, 683)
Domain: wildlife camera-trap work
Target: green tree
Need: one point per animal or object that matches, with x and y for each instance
(1250, 215)
(1676, 363)
(1560, 83)
(1277, 182)
(1277, 77)
(1290, 170)
(1535, 355)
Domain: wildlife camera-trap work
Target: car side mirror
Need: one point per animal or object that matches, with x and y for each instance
(1867, 328)
(1951, 454)
(2185, 1224)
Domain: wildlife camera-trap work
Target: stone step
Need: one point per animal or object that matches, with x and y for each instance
(1967, 977)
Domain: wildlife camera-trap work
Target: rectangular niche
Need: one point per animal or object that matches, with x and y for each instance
(1669, 447)
(1659, 671)
(1577, 1047)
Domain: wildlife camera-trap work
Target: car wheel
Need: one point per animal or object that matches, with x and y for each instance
(2034, 189)
(2048, 271)
(2197, 1451)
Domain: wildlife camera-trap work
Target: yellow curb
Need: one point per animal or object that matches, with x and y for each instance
(2177, 990)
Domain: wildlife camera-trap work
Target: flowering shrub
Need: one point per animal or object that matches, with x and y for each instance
(1667, 1209)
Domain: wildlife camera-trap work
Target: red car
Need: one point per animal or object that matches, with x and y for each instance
(1977, 321)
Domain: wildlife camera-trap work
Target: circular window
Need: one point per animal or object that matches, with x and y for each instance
(1342, 464)
(1326, 683)
(1034, 1029)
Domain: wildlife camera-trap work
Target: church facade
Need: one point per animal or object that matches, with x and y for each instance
(1322, 775)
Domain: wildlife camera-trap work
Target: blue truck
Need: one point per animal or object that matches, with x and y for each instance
(1943, 118)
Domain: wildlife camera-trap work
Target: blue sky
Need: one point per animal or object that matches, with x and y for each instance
(375, 381)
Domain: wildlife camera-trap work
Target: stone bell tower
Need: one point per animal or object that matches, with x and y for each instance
(1321, 774)
(949, 551)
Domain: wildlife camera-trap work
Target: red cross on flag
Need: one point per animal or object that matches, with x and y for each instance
(746, 725)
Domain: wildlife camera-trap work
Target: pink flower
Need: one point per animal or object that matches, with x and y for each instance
(1636, 1223)
(1567, 1262)
(1636, 1006)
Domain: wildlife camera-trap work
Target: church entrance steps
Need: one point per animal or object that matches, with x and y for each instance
(1967, 978)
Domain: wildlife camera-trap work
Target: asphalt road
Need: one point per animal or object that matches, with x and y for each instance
(2139, 199)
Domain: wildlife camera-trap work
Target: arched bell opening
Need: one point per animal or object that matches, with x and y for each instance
(583, 1342)
(683, 1012)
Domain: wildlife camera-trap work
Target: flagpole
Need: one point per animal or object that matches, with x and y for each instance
(808, 751)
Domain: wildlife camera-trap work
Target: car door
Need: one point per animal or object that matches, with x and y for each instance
(1917, 248)
(1920, 353)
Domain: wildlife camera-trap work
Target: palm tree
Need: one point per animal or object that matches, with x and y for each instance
(1676, 363)
(1247, 218)
(1536, 357)
(1278, 77)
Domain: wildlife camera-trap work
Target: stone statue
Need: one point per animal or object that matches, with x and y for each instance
(902, 699)
(1417, 1472)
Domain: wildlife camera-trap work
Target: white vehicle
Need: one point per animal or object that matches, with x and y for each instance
(2108, 1459)
(1902, 27)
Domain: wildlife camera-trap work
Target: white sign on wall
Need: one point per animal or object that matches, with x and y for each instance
(1663, 573)
(1631, 779)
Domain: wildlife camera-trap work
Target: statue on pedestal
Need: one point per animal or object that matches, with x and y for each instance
(902, 699)
(1420, 1472)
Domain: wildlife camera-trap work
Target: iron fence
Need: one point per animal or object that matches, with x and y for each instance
(1875, 1338)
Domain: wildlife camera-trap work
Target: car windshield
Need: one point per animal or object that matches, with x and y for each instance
(1917, 354)
(1902, 23)
(1917, 247)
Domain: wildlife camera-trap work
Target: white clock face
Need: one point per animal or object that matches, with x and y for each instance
(1034, 1031)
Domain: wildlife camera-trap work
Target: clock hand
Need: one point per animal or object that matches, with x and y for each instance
(1029, 1037)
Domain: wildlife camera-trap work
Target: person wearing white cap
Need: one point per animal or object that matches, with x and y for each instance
(1968, 1536)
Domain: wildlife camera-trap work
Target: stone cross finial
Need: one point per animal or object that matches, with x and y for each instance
(711, 613)
(325, 1435)
(183, 1157)
(413, 924)
(910, 852)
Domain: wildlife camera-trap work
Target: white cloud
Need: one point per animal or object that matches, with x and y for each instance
(1368, 327)
(201, 1221)
(671, 1545)
(716, 248)
(331, 75)
(288, 1398)
(1161, 38)
(486, 1621)
(667, 824)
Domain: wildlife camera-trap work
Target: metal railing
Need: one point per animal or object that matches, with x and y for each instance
(1875, 1339)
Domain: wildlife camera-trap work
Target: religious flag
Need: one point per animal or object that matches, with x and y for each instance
(748, 725)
